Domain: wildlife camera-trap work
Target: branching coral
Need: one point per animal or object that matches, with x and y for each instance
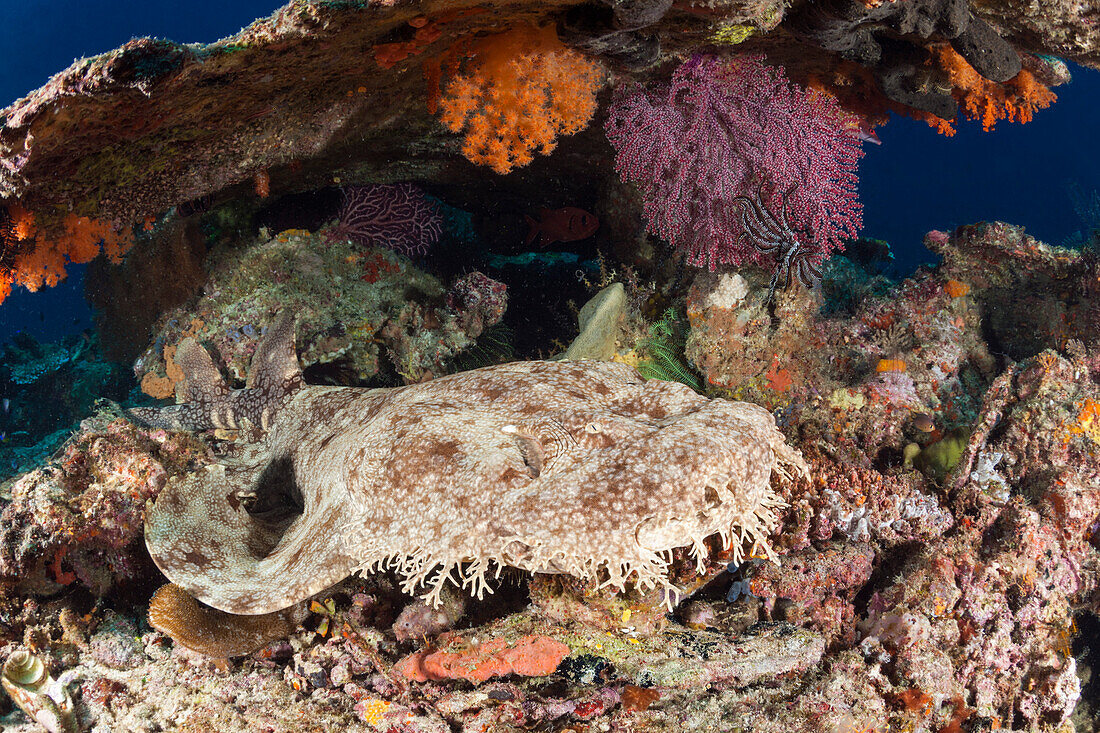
(1015, 100)
(517, 92)
(31, 258)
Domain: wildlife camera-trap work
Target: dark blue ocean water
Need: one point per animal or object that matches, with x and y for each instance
(916, 181)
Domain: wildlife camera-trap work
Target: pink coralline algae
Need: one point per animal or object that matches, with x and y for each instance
(854, 504)
(726, 137)
(398, 216)
(993, 600)
(815, 587)
(1015, 274)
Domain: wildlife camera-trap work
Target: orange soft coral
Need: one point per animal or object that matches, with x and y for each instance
(1016, 100)
(518, 92)
(38, 259)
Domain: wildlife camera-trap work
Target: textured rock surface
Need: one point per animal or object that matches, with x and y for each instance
(904, 600)
(360, 311)
(297, 98)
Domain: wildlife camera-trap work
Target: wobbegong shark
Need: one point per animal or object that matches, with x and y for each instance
(578, 467)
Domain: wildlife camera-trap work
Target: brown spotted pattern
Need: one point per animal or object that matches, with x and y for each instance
(576, 467)
(209, 401)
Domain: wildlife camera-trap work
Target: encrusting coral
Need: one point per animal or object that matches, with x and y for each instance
(553, 467)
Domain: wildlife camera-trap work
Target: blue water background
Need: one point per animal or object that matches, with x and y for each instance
(916, 181)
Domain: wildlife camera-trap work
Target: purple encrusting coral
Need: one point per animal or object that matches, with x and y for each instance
(396, 216)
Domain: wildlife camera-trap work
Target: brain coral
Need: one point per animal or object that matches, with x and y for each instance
(552, 467)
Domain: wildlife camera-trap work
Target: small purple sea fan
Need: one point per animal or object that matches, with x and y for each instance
(396, 216)
(724, 135)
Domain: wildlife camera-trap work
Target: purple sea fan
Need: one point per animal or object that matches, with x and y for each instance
(723, 134)
(396, 216)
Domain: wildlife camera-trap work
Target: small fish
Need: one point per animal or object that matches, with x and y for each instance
(867, 135)
(567, 224)
(923, 422)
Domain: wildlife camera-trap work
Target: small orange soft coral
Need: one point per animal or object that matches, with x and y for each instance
(517, 92)
(1015, 100)
(32, 257)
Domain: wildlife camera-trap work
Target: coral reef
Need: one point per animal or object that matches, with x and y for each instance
(904, 600)
(616, 31)
(47, 389)
(1011, 276)
(36, 255)
(79, 518)
(289, 102)
(895, 526)
(891, 39)
(362, 310)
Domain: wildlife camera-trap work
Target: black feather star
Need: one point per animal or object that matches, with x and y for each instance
(772, 233)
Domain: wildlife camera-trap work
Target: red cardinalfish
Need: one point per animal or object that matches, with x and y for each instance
(567, 224)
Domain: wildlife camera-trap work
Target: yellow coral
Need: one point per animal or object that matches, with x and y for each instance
(731, 34)
(372, 711)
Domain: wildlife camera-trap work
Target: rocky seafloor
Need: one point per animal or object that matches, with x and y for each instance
(937, 570)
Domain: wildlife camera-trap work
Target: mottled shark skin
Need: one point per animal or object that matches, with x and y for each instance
(578, 467)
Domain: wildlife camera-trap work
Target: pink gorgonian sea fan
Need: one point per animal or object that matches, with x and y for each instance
(735, 162)
(396, 216)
